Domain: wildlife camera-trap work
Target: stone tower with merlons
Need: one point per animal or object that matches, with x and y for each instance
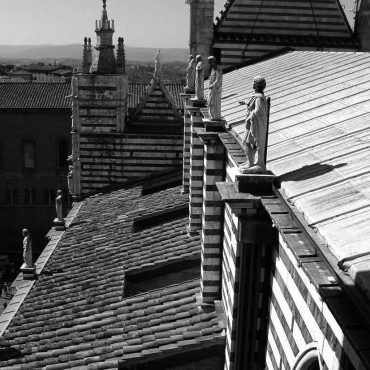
(99, 110)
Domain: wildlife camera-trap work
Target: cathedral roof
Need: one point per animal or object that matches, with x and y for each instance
(318, 144)
(82, 310)
(250, 29)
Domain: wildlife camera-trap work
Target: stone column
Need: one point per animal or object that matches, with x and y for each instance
(186, 145)
(245, 275)
(196, 171)
(212, 215)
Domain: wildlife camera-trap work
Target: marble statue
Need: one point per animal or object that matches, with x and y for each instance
(199, 79)
(27, 248)
(215, 90)
(190, 74)
(157, 63)
(70, 180)
(59, 205)
(254, 139)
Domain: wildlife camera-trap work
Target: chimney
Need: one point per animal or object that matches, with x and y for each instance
(201, 27)
(362, 25)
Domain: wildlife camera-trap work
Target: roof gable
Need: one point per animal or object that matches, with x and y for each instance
(157, 106)
(314, 18)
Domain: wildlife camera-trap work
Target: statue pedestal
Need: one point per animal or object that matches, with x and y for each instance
(198, 103)
(189, 91)
(214, 125)
(29, 273)
(59, 225)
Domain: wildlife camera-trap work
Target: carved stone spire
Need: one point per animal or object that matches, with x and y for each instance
(104, 61)
(85, 58)
(121, 62)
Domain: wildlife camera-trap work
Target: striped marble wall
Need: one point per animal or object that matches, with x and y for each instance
(109, 159)
(230, 282)
(299, 316)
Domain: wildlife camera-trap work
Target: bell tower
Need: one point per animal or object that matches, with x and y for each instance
(99, 110)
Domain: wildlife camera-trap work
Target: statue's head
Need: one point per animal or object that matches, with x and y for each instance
(25, 232)
(259, 84)
(198, 58)
(212, 62)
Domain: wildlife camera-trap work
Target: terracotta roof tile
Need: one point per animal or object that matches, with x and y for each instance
(84, 319)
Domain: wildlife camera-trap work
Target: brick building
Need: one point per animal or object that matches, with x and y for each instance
(34, 146)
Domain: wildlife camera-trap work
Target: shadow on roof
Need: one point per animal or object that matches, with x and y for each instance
(309, 172)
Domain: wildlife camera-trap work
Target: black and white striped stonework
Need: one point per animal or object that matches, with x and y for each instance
(196, 172)
(250, 29)
(212, 220)
(186, 145)
(110, 159)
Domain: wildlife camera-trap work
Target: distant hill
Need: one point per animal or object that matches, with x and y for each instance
(74, 51)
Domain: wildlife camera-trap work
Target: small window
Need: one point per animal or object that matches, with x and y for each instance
(14, 196)
(27, 197)
(46, 196)
(62, 153)
(29, 155)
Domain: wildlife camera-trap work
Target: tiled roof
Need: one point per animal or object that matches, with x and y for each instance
(318, 143)
(76, 313)
(35, 95)
(48, 95)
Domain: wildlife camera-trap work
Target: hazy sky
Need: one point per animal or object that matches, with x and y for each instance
(152, 23)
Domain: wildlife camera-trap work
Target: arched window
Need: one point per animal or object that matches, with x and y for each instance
(46, 196)
(33, 197)
(14, 196)
(8, 197)
(27, 197)
(29, 154)
(62, 153)
(308, 359)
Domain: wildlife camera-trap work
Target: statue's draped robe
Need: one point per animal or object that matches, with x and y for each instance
(215, 91)
(190, 76)
(59, 207)
(199, 82)
(256, 127)
(27, 251)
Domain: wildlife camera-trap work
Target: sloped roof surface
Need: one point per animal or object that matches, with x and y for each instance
(49, 95)
(315, 18)
(35, 95)
(76, 313)
(318, 143)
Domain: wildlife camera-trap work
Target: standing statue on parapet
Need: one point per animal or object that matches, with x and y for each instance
(190, 74)
(157, 63)
(27, 248)
(199, 79)
(215, 90)
(254, 139)
(59, 205)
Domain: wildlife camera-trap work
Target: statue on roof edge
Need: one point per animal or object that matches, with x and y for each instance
(215, 90)
(190, 74)
(254, 139)
(27, 248)
(199, 79)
